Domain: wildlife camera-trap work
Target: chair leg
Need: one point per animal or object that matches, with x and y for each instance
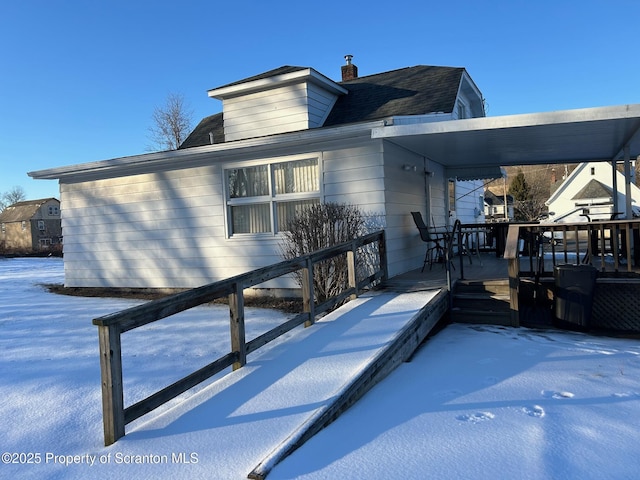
(439, 253)
(428, 258)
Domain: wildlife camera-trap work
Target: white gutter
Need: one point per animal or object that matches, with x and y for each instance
(511, 121)
(190, 157)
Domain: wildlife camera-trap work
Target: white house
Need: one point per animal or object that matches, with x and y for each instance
(588, 193)
(495, 209)
(286, 138)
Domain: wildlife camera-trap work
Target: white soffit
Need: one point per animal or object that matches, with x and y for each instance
(569, 136)
(483, 172)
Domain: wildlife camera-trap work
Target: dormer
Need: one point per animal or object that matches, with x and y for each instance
(286, 99)
(469, 102)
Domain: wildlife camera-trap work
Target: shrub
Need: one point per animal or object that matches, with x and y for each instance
(321, 226)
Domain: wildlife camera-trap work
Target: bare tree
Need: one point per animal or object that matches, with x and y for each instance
(15, 195)
(171, 123)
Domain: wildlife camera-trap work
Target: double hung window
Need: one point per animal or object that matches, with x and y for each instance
(263, 198)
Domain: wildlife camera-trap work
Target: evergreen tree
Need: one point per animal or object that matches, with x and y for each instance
(519, 188)
(523, 202)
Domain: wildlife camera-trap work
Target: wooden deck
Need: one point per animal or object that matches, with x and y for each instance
(487, 266)
(616, 301)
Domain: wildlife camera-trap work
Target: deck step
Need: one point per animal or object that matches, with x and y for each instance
(500, 286)
(480, 316)
(483, 302)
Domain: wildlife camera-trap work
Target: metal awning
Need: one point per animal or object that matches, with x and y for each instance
(483, 144)
(475, 173)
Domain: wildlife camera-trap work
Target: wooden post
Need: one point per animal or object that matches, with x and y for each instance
(236, 318)
(308, 297)
(111, 377)
(511, 253)
(627, 233)
(603, 245)
(616, 250)
(351, 267)
(382, 252)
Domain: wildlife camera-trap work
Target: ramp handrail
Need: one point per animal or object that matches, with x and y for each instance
(112, 326)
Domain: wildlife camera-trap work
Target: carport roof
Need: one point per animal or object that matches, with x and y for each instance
(478, 146)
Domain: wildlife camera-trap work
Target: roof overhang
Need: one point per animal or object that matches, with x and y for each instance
(298, 76)
(480, 145)
(261, 147)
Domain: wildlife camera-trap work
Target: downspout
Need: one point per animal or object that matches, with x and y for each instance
(427, 189)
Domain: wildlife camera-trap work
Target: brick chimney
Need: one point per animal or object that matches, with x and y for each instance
(349, 71)
(554, 177)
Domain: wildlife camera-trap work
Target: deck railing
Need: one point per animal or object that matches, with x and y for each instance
(112, 326)
(610, 246)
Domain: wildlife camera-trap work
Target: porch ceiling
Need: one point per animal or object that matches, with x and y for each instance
(570, 136)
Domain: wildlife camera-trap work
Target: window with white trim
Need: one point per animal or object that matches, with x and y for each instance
(41, 225)
(263, 198)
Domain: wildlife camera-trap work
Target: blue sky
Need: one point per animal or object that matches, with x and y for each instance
(80, 79)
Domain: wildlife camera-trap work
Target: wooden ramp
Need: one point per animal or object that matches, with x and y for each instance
(255, 416)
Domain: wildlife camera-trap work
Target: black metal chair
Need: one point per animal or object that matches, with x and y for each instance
(433, 240)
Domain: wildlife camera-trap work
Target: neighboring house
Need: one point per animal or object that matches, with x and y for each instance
(588, 193)
(494, 207)
(285, 139)
(31, 227)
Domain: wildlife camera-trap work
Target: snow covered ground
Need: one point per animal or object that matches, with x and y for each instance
(476, 402)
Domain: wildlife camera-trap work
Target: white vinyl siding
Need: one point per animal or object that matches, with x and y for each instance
(284, 109)
(320, 103)
(404, 193)
(149, 230)
(470, 201)
(355, 175)
(170, 229)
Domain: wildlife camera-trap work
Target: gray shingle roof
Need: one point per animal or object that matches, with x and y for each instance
(492, 199)
(22, 211)
(594, 189)
(408, 91)
(415, 90)
(200, 135)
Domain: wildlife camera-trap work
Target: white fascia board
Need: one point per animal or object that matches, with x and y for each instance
(467, 78)
(511, 121)
(277, 81)
(566, 182)
(413, 119)
(196, 156)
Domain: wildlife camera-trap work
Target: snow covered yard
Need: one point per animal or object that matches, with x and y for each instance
(476, 402)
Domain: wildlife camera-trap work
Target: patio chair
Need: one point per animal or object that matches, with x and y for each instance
(433, 240)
